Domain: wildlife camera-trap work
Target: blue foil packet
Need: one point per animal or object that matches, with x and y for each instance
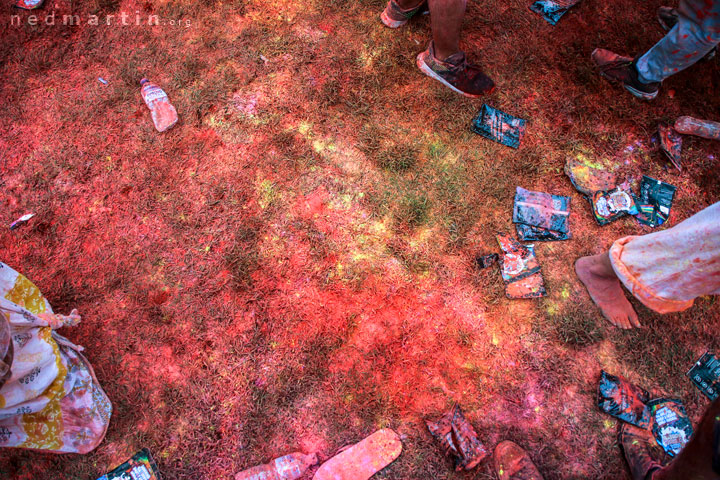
(499, 126)
(541, 216)
(552, 10)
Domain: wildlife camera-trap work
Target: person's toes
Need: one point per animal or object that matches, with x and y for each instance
(634, 320)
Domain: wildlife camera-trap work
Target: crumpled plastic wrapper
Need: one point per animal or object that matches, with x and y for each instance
(541, 216)
(623, 400)
(458, 437)
(670, 424)
(499, 126)
(552, 10)
(520, 269)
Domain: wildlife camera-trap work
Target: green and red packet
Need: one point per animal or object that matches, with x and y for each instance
(140, 467)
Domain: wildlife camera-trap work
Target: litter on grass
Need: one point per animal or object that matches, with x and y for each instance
(588, 180)
(21, 221)
(288, 467)
(705, 374)
(164, 115)
(701, 128)
(623, 400)
(499, 126)
(364, 459)
(654, 202)
(29, 4)
(609, 206)
(541, 216)
(552, 10)
(102, 80)
(520, 269)
(459, 438)
(140, 467)
(670, 144)
(670, 424)
(485, 261)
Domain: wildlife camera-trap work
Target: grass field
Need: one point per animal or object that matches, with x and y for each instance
(291, 267)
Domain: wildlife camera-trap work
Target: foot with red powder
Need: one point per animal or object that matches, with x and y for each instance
(598, 276)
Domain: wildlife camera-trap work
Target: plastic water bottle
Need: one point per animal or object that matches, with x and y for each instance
(163, 113)
(289, 467)
(701, 128)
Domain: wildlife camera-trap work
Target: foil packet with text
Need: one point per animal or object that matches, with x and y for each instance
(670, 425)
(623, 400)
(609, 206)
(705, 374)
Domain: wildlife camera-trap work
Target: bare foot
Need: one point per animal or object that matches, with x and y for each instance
(605, 290)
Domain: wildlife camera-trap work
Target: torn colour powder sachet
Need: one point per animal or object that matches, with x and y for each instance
(705, 374)
(499, 126)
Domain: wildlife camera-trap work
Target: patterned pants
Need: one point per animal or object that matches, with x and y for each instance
(695, 34)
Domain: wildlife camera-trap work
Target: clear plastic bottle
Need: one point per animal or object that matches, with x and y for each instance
(163, 113)
(701, 128)
(289, 467)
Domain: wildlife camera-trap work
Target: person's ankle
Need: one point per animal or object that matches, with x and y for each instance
(442, 56)
(407, 5)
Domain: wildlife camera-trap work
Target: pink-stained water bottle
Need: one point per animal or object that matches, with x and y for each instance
(289, 467)
(701, 128)
(163, 113)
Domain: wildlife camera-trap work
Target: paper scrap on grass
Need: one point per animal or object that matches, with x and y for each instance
(541, 216)
(520, 269)
(552, 10)
(499, 126)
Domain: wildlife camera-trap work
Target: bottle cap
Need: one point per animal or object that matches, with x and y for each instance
(144, 81)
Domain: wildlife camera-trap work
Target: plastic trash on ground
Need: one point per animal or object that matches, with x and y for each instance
(364, 459)
(705, 374)
(541, 216)
(701, 128)
(499, 126)
(21, 221)
(520, 269)
(164, 115)
(485, 261)
(670, 424)
(288, 467)
(552, 10)
(623, 400)
(140, 467)
(670, 144)
(609, 206)
(29, 4)
(654, 201)
(587, 179)
(458, 437)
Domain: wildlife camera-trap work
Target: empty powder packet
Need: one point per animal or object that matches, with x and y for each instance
(705, 374)
(541, 211)
(623, 400)
(609, 206)
(499, 126)
(654, 201)
(670, 424)
(552, 10)
(458, 437)
(520, 269)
